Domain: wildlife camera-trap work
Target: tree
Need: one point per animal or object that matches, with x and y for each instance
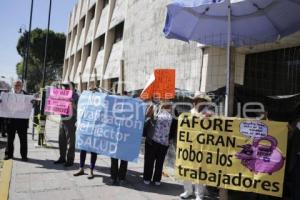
(55, 57)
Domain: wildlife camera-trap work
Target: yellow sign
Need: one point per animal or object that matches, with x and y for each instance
(232, 153)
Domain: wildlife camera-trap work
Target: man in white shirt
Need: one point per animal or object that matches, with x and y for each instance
(17, 125)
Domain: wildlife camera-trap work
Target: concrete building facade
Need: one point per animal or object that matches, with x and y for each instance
(110, 41)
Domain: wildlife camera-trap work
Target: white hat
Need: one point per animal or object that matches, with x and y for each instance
(201, 95)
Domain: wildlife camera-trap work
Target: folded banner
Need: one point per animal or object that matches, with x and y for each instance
(110, 125)
(232, 153)
(161, 85)
(58, 102)
(15, 105)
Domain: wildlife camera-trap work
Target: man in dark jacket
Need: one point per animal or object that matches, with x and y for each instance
(67, 129)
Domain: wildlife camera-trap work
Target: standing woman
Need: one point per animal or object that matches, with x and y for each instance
(83, 156)
(82, 162)
(157, 141)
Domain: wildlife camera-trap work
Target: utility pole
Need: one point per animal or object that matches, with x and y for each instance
(46, 45)
(42, 120)
(28, 46)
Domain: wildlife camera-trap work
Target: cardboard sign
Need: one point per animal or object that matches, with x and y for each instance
(59, 107)
(110, 125)
(58, 102)
(232, 153)
(17, 106)
(60, 94)
(161, 85)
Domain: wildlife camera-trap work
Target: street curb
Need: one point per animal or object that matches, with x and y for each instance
(5, 179)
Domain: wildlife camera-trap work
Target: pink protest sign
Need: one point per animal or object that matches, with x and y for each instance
(59, 107)
(60, 94)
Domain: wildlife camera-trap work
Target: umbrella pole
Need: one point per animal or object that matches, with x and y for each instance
(229, 99)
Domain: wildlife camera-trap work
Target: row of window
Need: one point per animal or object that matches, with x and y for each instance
(274, 72)
(117, 30)
(100, 41)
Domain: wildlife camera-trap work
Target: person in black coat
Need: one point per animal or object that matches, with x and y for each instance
(159, 135)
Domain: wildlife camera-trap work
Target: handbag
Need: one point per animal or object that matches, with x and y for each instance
(149, 128)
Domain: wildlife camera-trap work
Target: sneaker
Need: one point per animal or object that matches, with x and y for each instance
(79, 173)
(185, 195)
(59, 161)
(146, 182)
(199, 197)
(157, 183)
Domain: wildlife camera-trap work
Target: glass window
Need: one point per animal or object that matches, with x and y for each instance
(119, 32)
(274, 72)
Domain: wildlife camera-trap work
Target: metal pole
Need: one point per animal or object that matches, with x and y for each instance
(23, 68)
(230, 69)
(42, 119)
(46, 45)
(229, 100)
(28, 45)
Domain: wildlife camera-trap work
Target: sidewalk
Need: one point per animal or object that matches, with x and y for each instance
(40, 179)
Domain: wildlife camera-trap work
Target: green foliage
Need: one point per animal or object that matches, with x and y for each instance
(55, 57)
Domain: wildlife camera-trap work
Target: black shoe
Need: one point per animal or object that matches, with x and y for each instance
(60, 161)
(79, 173)
(24, 159)
(7, 157)
(122, 182)
(115, 182)
(68, 164)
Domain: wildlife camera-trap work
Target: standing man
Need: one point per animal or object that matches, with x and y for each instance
(67, 129)
(201, 108)
(17, 125)
(118, 174)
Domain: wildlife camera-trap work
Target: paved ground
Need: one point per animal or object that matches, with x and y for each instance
(40, 179)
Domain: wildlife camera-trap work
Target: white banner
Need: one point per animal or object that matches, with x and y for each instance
(15, 105)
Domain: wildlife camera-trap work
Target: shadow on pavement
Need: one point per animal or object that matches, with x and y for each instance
(134, 181)
(48, 164)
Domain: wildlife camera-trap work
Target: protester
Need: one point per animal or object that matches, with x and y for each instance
(158, 139)
(83, 156)
(118, 173)
(293, 160)
(67, 130)
(3, 121)
(82, 162)
(17, 125)
(200, 109)
(3, 126)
